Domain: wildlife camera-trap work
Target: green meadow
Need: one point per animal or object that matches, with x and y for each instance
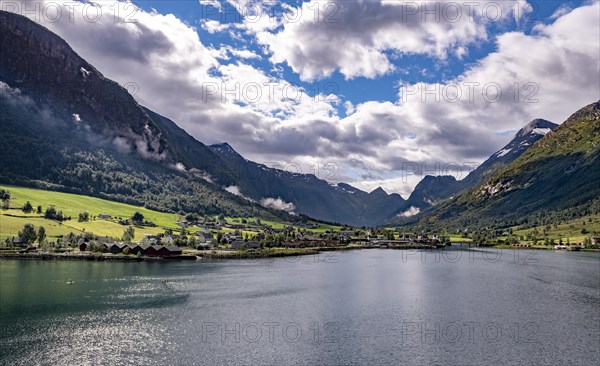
(13, 219)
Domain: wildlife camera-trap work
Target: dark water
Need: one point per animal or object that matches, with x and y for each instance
(375, 307)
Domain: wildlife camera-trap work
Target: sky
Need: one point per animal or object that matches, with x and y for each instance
(374, 93)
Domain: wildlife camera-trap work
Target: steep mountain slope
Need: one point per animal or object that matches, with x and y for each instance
(67, 127)
(433, 190)
(525, 138)
(560, 171)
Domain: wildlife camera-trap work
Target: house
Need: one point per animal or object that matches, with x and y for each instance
(84, 245)
(139, 248)
(170, 239)
(117, 248)
(151, 239)
(168, 251)
(596, 240)
(19, 242)
(230, 238)
(204, 237)
(152, 250)
(104, 216)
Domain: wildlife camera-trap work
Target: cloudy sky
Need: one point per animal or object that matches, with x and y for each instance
(363, 91)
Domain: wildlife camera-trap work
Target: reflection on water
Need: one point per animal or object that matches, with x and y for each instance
(363, 307)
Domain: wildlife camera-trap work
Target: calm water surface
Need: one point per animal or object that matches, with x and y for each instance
(374, 307)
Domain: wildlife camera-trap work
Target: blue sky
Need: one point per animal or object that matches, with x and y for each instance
(409, 68)
(184, 56)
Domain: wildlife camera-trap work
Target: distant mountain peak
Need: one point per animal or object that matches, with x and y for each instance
(226, 149)
(378, 192)
(538, 126)
(348, 188)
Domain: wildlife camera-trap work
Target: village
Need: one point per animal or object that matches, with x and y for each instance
(220, 236)
(123, 232)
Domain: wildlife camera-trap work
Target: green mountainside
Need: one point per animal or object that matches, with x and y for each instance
(561, 171)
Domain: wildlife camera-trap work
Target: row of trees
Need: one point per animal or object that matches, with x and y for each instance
(30, 235)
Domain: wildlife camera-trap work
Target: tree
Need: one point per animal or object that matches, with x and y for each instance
(28, 233)
(50, 213)
(258, 222)
(191, 217)
(27, 207)
(137, 218)
(4, 195)
(129, 234)
(39, 209)
(221, 216)
(41, 235)
(84, 216)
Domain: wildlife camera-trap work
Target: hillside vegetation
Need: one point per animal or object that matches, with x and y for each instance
(559, 172)
(13, 219)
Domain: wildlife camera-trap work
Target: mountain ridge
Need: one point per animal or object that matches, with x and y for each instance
(560, 171)
(432, 190)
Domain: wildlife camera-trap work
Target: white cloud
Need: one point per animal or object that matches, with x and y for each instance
(214, 26)
(353, 37)
(278, 204)
(412, 211)
(173, 69)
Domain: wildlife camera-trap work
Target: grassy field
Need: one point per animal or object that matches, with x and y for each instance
(570, 230)
(456, 238)
(13, 219)
(280, 225)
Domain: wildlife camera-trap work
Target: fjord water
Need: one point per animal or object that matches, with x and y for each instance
(374, 307)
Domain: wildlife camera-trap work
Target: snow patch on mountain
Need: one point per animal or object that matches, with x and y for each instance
(541, 131)
(503, 152)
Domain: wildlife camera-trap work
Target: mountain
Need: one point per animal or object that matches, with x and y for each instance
(67, 127)
(560, 171)
(433, 190)
(526, 137)
(309, 195)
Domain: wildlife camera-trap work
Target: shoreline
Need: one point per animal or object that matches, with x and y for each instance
(226, 255)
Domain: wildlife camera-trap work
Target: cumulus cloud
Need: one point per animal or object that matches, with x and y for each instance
(181, 78)
(235, 190)
(278, 204)
(412, 211)
(214, 26)
(353, 37)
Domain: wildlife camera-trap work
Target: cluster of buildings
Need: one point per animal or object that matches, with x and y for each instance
(136, 249)
(404, 242)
